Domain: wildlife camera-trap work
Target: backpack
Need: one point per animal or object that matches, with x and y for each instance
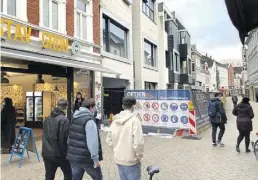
(212, 110)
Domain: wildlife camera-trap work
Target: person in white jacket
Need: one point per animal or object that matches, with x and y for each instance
(126, 139)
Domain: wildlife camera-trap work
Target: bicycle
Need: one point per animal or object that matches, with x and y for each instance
(152, 170)
(255, 147)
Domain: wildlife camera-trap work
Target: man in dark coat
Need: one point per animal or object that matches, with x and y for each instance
(84, 146)
(234, 100)
(218, 120)
(245, 114)
(54, 142)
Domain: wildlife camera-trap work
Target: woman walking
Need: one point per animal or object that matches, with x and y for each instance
(8, 121)
(245, 114)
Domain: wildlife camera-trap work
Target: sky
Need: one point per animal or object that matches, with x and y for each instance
(210, 27)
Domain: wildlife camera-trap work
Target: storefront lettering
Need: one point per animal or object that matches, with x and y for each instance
(54, 42)
(21, 33)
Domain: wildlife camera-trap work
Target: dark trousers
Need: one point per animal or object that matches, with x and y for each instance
(52, 164)
(214, 131)
(242, 135)
(94, 173)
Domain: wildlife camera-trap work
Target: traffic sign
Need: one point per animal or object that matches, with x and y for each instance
(164, 106)
(146, 117)
(138, 106)
(174, 106)
(146, 105)
(155, 106)
(174, 119)
(155, 117)
(164, 118)
(184, 119)
(184, 106)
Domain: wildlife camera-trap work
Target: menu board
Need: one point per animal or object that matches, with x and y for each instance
(21, 139)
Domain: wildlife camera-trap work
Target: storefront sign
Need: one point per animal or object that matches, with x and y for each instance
(18, 33)
(54, 42)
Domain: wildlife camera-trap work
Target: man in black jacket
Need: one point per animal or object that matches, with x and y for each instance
(54, 142)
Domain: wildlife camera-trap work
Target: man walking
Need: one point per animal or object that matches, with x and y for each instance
(54, 142)
(234, 100)
(218, 118)
(126, 139)
(84, 146)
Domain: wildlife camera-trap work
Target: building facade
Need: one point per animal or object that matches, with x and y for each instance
(252, 63)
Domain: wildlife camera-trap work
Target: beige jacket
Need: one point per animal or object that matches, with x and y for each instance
(126, 138)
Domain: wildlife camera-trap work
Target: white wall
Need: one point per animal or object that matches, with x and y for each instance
(223, 75)
(122, 13)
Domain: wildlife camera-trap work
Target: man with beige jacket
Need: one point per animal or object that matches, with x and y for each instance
(126, 139)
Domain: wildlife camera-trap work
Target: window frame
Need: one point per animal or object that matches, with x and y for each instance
(4, 8)
(50, 15)
(81, 15)
(146, 7)
(176, 62)
(153, 53)
(106, 21)
(150, 85)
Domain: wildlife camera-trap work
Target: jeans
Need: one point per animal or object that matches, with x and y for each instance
(94, 173)
(242, 135)
(130, 172)
(214, 131)
(52, 164)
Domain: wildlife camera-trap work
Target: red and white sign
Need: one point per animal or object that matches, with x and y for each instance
(146, 105)
(155, 117)
(146, 117)
(155, 106)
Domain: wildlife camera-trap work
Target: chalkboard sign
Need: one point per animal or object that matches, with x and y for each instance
(24, 141)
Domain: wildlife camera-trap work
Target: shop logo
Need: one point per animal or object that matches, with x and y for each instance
(76, 48)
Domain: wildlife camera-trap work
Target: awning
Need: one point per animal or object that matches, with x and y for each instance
(42, 58)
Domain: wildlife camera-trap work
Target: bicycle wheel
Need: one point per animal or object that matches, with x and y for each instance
(256, 149)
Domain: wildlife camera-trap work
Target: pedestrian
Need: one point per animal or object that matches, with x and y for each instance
(8, 121)
(256, 96)
(78, 101)
(126, 139)
(234, 100)
(245, 114)
(84, 146)
(218, 118)
(54, 142)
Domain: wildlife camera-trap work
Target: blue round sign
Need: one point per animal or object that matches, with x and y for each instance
(184, 106)
(174, 106)
(184, 119)
(174, 119)
(164, 106)
(164, 118)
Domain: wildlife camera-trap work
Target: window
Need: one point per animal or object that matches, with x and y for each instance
(193, 67)
(114, 37)
(150, 85)
(149, 53)
(50, 14)
(11, 7)
(2, 5)
(168, 60)
(81, 19)
(148, 8)
(176, 62)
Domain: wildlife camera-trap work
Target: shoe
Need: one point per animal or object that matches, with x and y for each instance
(214, 144)
(220, 143)
(237, 148)
(248, 150)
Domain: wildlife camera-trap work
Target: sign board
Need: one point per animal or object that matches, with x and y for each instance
(76, 48)
(24, 141)
(162, 108)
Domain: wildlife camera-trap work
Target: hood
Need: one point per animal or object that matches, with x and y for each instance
(215, 99)
(243, 107)
(123, 117)
(57, 112)
(82, 112)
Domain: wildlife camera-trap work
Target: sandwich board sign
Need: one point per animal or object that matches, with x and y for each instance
(24, 141)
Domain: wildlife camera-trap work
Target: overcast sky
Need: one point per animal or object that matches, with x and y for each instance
(209, 26)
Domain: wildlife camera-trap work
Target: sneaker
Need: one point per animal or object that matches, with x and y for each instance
(248, 150)
(214, 144)
(237, 149)
(220, 143)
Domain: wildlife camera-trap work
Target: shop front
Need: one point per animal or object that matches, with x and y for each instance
(36, 71)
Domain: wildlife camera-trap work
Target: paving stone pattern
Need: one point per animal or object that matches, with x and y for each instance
(179, 159)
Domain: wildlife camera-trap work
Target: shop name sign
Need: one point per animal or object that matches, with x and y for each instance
(22, 33)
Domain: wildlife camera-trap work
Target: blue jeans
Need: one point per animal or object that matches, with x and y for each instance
(94, 173)
(130, 172)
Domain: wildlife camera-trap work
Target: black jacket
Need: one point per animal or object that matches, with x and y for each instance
(55, 135)
(245, 114)
(221, 116)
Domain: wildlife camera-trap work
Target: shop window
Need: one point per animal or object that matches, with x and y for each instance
(50, 14)
(148, 8)
(114, 37)
(81, 19)
(9, 7)
(149, 53)
(150, 85)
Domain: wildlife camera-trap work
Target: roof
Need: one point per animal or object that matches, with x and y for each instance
(222, 65)
(208, 60)
(238, 70)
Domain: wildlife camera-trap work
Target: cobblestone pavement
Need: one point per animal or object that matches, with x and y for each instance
(179, 159)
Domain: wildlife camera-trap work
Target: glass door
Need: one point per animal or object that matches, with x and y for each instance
(29, 108)
(38, 106)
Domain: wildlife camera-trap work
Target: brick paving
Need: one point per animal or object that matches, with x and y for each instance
(179, 159)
